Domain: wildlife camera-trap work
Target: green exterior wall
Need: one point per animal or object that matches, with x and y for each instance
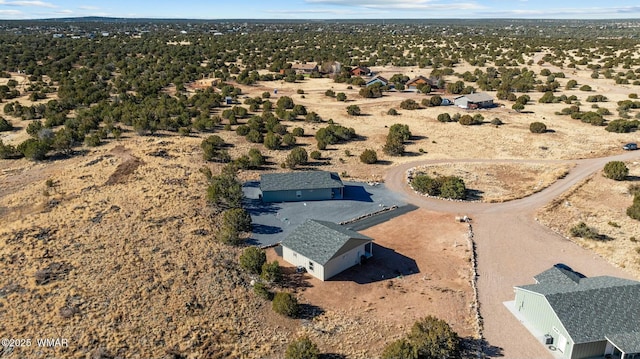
(541, 316)
(305, 195)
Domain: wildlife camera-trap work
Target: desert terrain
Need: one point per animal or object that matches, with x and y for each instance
(113, 247)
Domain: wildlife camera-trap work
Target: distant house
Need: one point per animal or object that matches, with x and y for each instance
(582, 317)
(301, 186)
(325, 249)
(361, 71)
(304, 68)
(474, 101)
(228, 100)
(415, 83)
(378, 79)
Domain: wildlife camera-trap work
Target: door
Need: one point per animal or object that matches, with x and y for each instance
(562, 343)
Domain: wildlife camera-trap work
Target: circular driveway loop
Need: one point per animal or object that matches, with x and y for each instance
(512, 247)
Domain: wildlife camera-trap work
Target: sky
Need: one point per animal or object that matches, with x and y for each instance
(322, 9)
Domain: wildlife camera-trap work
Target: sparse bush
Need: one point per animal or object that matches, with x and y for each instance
(496, 122)
(430, 337)
(298, 132)
(341, 97)
(288, 140)
(272, 141)
(400, 349)
(369, 156)
(444, 186)
(302, 348)
(581, 230)
(285, 304)
(330, 93)
(616, 170)
(585, 88)
(33, 149)
(392, 112)
(537, 127)
(252, 259)
(261, 290)
(634, 210)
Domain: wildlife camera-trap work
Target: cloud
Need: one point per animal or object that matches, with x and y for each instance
(88, 7)
(63, 12)
(10, 12)
(335, 12)
(594, 12)
(400, 4)
(28, 3)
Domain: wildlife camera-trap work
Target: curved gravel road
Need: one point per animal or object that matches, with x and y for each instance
(512, 247)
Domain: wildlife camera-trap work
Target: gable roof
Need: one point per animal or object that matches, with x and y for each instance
(418, 78)
(308, 66)
(364, 69)
(321, 241)
(378, 79)
(477, 97)
(299, 181)
(592, 309)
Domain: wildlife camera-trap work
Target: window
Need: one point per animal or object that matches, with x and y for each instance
(310, 266)
(298, 194)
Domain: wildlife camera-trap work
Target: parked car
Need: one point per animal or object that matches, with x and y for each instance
(630, 147)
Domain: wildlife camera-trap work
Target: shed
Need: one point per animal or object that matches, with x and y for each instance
(360, 71)
(325, 249)
(583, 317)
(474, 100)
(418, 82)
(301, 186)
(304, 68)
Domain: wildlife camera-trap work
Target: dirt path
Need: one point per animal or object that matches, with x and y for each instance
(513, 247)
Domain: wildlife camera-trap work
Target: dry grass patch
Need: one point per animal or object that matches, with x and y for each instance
(500, 182)
(601, 203)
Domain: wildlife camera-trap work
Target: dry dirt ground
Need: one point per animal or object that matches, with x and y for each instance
(412, 274)
(121, 242)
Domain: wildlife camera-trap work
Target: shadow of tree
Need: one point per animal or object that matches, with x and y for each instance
(479, 348)
(309, 311)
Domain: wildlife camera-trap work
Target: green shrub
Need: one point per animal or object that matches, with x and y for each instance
(298, 132)
(8, 151)
(444, 117)
(369, 156)
(285, 304)
(271, 272)
(537, 127)
(316, 155)
(288, 140)
(297, 156)
(252, 259)
(400, 349)
(302, 348)
(496, 122)
(34, 149)
(341, 97)
(426, 185)
(434, 338)
(634, 210)
(272, 141)
(409, 104)
(353, 110)
(5, 125)
(453, 187)
(392, 112)
(616, 170)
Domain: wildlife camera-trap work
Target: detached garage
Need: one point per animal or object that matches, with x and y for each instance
(325, 249)
(301, 186)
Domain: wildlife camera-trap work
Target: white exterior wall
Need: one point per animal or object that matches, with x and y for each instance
(333, 267)
(299, 260)
(345, 261)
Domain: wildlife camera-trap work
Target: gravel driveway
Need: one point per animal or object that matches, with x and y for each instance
(512, 248)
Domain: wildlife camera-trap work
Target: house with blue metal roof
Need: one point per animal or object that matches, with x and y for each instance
(582, 317)
(325, 249)
(301, 186)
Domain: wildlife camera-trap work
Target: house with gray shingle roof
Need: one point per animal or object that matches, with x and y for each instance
(325, 249)
(301, 186)
(583, 317)
(474, 101)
